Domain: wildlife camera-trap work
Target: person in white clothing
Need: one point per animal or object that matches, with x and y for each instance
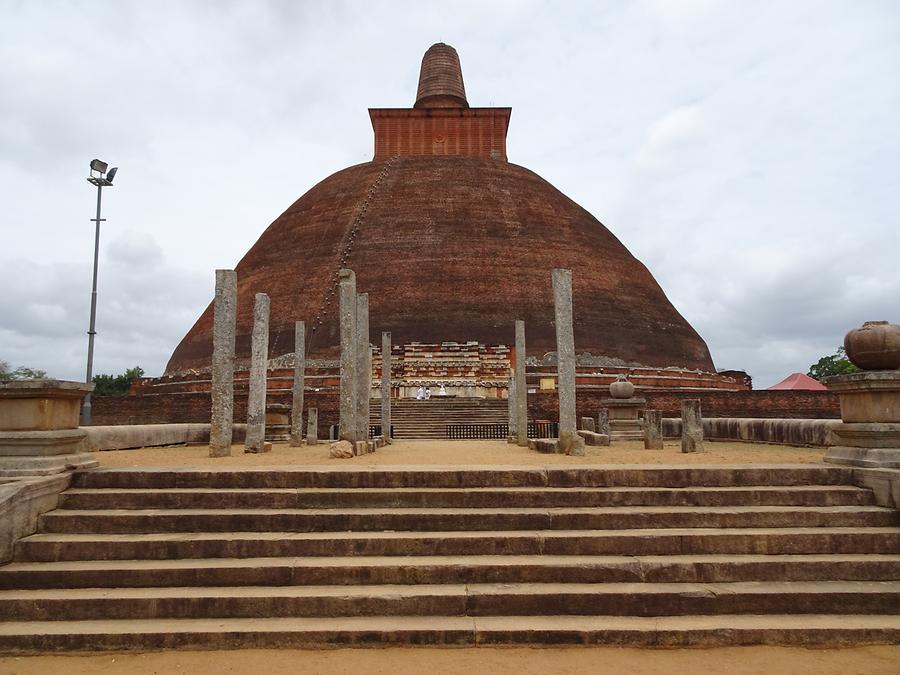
(442, 391)
(427, 393)
(420, 394)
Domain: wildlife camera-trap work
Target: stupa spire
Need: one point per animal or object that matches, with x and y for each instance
(440, 79)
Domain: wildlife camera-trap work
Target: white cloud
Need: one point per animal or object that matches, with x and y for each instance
(746, 152)
(666, 136)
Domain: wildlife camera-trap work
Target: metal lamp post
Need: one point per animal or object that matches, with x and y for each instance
(101, 179)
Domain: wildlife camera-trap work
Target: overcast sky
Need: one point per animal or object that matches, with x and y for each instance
(747, 152)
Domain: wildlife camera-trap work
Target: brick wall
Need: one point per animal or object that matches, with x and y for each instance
(471, 132)
(195, 407)
(760, 403)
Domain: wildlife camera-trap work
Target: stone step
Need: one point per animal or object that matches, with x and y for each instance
(707, 631)
(494, 476)
(292, 498)
(472, 569)
(125, 521)
(532, 599)
(621, 542)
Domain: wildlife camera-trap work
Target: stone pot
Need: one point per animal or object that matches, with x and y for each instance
(621, 388)
(874, 346)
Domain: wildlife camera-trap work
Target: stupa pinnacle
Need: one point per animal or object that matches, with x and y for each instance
(440, 79)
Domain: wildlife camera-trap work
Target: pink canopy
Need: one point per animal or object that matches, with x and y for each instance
(800, 381)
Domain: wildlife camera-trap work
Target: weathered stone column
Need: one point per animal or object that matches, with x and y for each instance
(299, 377)
(259, 356)
(312, 426)
(569, 440)
(363, 367)
(386, 386)
(347, 420)
(521, 388)
(603, 421)
(691, 425)
(224, 316)
(653, 436)
(511, 407)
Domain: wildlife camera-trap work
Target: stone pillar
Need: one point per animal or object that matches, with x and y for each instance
(603, 421)
(363, 367)
(312, 426)
(691, 425)
(386, 386)
(511, 407)
(224, 316)
(347, 420)
(259, 356)
(521, 388)
(653, 436)
(299, 377)
(569, 440)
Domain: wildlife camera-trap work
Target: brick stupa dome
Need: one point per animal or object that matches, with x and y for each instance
(452, 243)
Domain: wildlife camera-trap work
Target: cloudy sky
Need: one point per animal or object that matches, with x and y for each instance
(747, 152)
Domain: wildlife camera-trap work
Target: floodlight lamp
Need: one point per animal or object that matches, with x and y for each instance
(98, 165)
(111, 174)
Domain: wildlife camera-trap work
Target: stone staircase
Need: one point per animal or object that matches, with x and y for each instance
(663, 556)
(429, 419)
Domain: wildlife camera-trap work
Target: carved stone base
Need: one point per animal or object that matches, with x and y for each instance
(875, 458)
(46, 466)
(867, 435)
(42, 443)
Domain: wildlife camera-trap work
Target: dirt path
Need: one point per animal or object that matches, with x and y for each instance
(465, 453)
(873, 660)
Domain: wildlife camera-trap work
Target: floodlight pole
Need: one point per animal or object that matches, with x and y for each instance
(86, 406)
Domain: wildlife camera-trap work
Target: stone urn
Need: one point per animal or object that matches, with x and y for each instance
(874, 346)
(621, 388)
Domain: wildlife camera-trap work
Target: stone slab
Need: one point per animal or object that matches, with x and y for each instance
(543, 445)
(570, 443)
(259, 449)
(21, 504)
(594, 439)
(46, 466)
(42, 443)
(884, 484)
(867, 435)
(876, 458)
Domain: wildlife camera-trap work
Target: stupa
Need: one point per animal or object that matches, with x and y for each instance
(452, 242)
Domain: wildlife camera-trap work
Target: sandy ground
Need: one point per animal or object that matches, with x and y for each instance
(873, 660)
(464, 453)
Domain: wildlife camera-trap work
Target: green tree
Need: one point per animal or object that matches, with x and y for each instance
(116, 385)
(836, 364)
(20, 373)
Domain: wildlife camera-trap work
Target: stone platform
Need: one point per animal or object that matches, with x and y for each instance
(353, 556)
